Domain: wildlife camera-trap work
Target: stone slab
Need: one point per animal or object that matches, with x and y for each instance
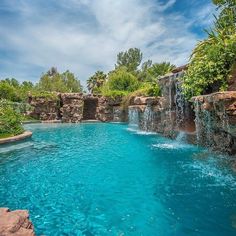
(26, 134)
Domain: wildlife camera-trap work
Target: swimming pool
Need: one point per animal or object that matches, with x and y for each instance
(104, 179)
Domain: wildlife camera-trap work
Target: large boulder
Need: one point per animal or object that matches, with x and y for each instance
(15, 223)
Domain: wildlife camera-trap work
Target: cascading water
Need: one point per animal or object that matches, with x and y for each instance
(197, 120)
(180, 104)
(225, 124)
(208, 130)
(133, 117)
(170, 92)
(148, 119)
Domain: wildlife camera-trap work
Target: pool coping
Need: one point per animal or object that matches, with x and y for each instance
(26, 134)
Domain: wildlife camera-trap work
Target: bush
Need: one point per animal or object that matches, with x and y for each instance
(8, 92)
(113, 93)
(122, 80)
(10, 121)
(213, 59)
(210, 67)
(45, 94)
(148, 89)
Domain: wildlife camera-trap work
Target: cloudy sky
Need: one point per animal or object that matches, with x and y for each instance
(86, 35)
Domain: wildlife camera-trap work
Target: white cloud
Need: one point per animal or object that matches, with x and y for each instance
(86, 35)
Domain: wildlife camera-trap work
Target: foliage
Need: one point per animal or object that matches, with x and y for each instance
(20, 107)
(50, 83)
(44, 94)
(53, 81)
(129, 76)
(122, 80)
(113, 93)
(213, 58)
(151, 72)
(130, 59)
(147, 89)
(7, 91)
(95, 82)
(10, 121)
(160, 69)
(153, 90)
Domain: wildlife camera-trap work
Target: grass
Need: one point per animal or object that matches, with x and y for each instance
(6, 135)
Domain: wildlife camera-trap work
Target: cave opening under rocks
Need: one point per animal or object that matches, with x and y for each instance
(90, 106)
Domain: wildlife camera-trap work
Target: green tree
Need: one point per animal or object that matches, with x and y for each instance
(7, 91)
(95, 82)
(144, 75)
(53, 81)
(72, 84)
(151, 72)
(131, 59)
(122, 80)
(160, 69)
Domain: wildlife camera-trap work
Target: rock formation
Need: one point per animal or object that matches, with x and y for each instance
(74, 107)
(44, 108)
(216, 121)
(15, 223)
(105, 109)
(71, 107)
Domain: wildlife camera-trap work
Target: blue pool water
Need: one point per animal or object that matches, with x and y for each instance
(103, 179)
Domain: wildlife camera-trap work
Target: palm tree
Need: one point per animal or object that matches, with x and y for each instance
(96, 81)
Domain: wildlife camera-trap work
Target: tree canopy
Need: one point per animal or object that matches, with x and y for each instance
(53, 81)
(95, 82)
(131, 59)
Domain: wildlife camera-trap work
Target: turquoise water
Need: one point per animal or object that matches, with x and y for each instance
(104, 179)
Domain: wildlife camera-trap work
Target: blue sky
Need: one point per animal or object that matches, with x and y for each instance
(86, 35)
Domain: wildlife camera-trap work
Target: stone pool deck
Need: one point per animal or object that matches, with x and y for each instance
(25, 135)
(15, 223)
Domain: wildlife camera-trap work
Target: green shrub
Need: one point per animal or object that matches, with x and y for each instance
(10, 121)
(213, 59)
(210, 66)
(8, 92)
(114, 93)
(20, 107)
(45, 94)
(148, 89)
(122, 80)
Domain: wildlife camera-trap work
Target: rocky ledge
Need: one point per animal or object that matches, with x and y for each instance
(15, 223)
(216, 120)
(25, 135)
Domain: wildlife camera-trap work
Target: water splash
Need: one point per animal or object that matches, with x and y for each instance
(181, 137)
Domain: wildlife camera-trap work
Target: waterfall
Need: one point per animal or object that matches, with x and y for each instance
(148, 119)
(197, 120)
(225, 124)
(180, 104)
(133, 117)
(207, 119)
(170, 93)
